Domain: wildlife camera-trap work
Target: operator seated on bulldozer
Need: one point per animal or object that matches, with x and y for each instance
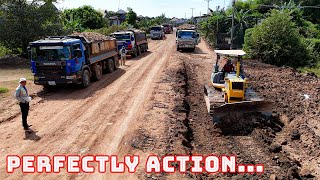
(228, 68)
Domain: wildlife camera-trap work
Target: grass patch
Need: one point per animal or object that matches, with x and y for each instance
(315, 69)
(3, 90)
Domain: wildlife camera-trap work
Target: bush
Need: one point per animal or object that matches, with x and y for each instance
(3, 90)
(313, 47)
(276, 40)
(4, 51)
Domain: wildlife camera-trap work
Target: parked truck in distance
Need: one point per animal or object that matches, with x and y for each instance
(168, 28)
(157, 32)
(187, 39)
(74, 59)
(134, 40)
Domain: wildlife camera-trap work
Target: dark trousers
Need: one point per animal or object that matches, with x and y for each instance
(24, 110)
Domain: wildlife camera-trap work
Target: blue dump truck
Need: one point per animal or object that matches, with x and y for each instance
(134, 40)
(74, 59)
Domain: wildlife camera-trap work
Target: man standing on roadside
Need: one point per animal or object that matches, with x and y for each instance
(123, 53)
(23, 97)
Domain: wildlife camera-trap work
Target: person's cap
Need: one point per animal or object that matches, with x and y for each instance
(22, 80)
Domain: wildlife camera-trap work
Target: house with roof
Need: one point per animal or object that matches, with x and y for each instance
(116, 18)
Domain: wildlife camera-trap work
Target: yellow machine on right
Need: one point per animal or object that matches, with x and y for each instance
(229, 92)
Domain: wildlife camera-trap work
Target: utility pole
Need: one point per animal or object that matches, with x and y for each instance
(217, 25)
(232, 27)
(208, 1)
(192, 11)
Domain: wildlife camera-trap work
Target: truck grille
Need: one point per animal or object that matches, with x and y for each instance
(51, 72)
(237, 85)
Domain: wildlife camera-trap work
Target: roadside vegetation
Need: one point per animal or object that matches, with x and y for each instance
(23, 21)
(3, 90)
(279, 32)
(273, 31)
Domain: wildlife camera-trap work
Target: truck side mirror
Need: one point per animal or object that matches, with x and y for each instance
(132, 38)
(198, 35)
(78, 53)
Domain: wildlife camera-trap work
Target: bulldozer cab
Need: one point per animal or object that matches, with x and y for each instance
(219, 74)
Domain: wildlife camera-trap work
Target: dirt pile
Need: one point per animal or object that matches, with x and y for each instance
(92, 36)
(296, 100)
(294, 94)
(187, 26)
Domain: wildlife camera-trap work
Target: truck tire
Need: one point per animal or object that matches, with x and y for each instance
(178, 49)
(85, 79)
(116, 63)
(97, 72)
(139, 51)
(110, 66)
(134, 54)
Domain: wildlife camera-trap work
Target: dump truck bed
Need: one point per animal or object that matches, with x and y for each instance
(99, 47)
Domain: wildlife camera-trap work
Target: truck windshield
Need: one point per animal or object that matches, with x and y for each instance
(50, 53)
(156, 28)
(122, 36)
(186, 34)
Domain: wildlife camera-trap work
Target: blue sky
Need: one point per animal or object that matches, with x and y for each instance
(171, 8)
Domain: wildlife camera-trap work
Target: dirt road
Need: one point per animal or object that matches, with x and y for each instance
(88, 121)
(155, 105)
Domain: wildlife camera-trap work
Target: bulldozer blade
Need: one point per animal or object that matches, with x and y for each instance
(217, 107)
(242, 107)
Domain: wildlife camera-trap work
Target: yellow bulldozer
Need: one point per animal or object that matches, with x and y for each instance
(229, 92)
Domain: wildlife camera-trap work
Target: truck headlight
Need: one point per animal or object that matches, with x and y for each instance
(71, 77)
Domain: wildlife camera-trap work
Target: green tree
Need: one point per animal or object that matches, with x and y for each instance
(132, 18)
(23, 22)
(277, 41)
(89, 18)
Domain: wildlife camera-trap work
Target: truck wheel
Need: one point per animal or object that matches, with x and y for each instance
(178, 49)
(134, 54)
(97, 72)
(193, 49)
(139, 51)
(85, 79)
(110, 66)
(116, 63)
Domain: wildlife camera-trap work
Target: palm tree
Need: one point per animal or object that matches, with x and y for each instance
(242, 19)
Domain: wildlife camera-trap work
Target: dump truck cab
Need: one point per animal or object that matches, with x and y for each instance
(134, 40)
(187, 39)
(157, 32)
(57, 60)
(167, 28)
(126, 39)
(72, 59)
